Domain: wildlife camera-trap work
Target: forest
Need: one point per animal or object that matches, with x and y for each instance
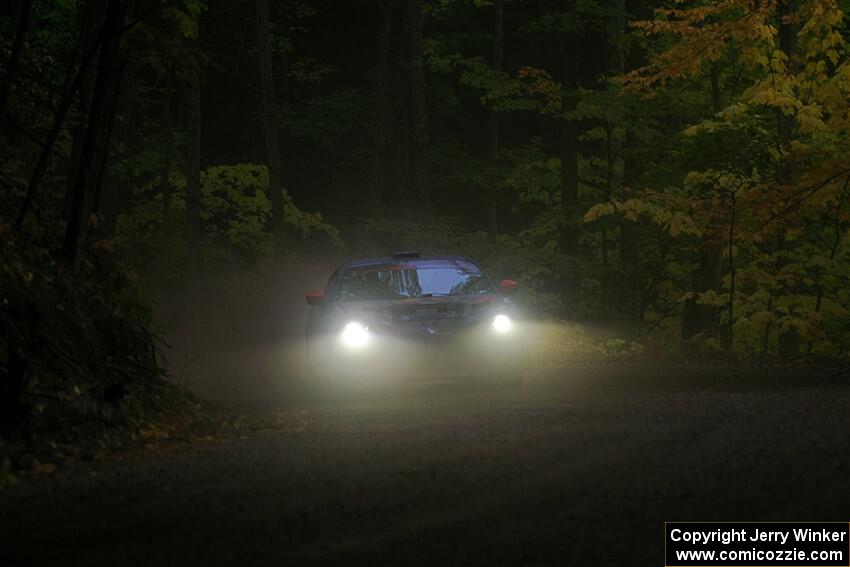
(677, 169)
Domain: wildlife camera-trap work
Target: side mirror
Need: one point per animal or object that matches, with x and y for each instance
(508, 286)
(315, 297)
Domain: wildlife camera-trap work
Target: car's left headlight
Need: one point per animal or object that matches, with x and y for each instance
(354, 335)
(502, 323)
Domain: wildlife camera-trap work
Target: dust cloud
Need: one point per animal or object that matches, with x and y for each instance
(238, 335)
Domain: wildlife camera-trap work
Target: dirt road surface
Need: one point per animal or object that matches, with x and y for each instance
(582, 467)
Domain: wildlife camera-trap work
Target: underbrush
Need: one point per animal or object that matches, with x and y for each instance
(76, 351)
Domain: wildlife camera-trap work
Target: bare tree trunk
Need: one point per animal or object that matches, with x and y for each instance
(165, 145)
(493, 123)
(270, 131)
(832, 252)
(569, 183)
(788, 344)
(14, 57)
(703, 319)
(569, 142)
(629, 236)
(610, 283)
(193, 168)
(698, 319)
(765, 343)
(789, 337)
(91, 41)
(109, 204)
(97, 202)
(398, 158)
(91, 22)
(629, 243)
(95, 143)
(380, 174)
(729, 336)
(419, 205)
(405, 171)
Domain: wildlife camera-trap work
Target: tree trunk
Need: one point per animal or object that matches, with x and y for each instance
(788, 345)
(493, 122)
(193, 169)
(166, 145)
(379, 174)
(728, 337)
(95, 143)
(569, 182)
(77, 80)
(629, 239)
(611, 284)
(569, 142)
(109, 205)
(569, 187)
(703, 319)
(700, 319)
(419, 205)
(832, 252)
(789, 337)
(632, 171)
(405, 171)
(270, 131)
(99, 218)
(91, 23)
(14, 57)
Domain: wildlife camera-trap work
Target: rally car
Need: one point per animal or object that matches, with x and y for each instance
(414, 316)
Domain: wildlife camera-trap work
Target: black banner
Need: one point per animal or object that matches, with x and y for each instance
(757, 544)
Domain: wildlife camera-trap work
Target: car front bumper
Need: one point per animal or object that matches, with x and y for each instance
(470, 353)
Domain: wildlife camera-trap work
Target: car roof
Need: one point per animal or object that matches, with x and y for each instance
(391, 260)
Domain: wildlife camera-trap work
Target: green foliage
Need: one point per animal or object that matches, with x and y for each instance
(768, 167)
(658, 208)
(326, 117)
(235, 213)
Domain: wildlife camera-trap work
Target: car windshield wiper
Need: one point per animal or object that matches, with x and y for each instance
(435, 295)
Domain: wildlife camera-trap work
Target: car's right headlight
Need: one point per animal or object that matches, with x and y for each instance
(354, 335)
(502, 323)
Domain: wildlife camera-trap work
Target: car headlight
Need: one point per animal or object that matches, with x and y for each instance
(355, 335)
(502, 323)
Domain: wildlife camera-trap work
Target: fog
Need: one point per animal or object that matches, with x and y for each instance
(237, 335)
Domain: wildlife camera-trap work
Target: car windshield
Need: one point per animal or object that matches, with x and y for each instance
(405, 280)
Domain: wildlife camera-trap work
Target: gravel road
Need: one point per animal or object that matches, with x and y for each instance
(580, 468)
